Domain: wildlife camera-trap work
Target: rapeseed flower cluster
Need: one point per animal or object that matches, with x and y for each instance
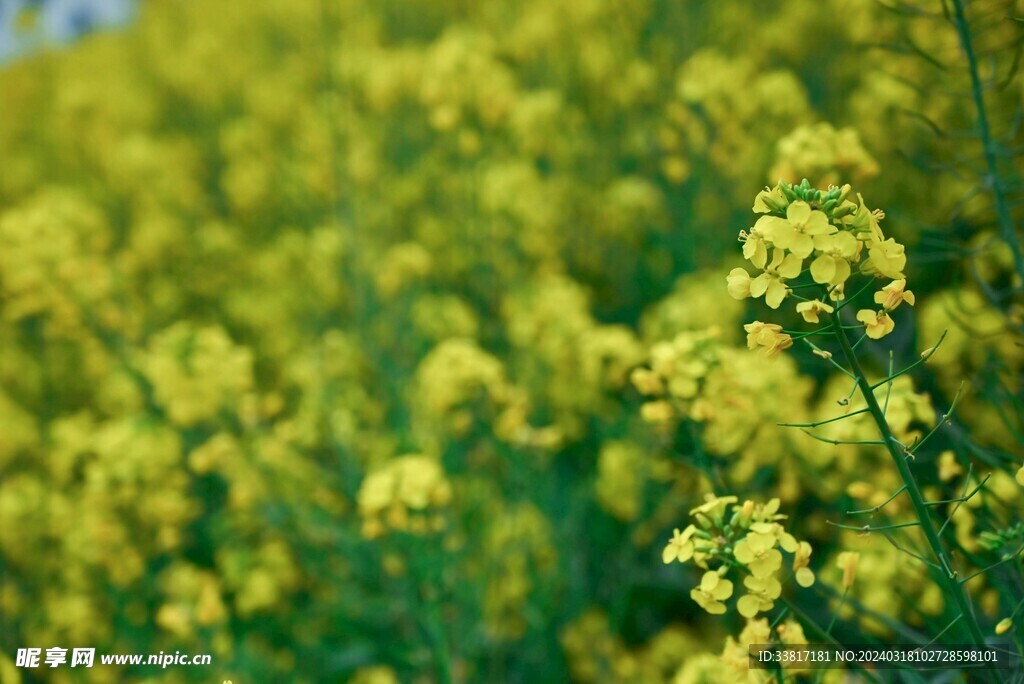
(727, 535)
(827, 236)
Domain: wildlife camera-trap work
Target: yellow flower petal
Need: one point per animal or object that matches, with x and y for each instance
(823, 269)
(805, 577)
(748, 605)
(798, 212)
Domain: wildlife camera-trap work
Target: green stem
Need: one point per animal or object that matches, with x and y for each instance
(951, 587)
(1006, 224)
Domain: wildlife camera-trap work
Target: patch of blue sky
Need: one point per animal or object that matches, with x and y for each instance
(26, 25)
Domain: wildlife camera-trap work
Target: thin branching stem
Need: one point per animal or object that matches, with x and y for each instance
(946, 578)
(875, 509)
(1007, 228)
(839, 441)
(963, 497)
(945, 418)
(828, 357)
(1006, 559)
(824, 422)
(868, 529)
(924, 359)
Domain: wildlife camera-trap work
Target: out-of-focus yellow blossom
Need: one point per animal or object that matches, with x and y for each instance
(196, 372)
(408, 494)
(625, 470)
(597, 654)
(894, 294)
(769, 336)
(847, 561)
(801, 559)
(456, 376)
(754, 632)
(877, 324)
(678, 368)
(811, 310)
(824, 154)
(647, 382)
(949, 466)
(696, 303)
(1020, 476)
(1003, 626)
(518, 550)
(374, 674)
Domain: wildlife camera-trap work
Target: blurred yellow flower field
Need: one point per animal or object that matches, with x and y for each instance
(437, 341)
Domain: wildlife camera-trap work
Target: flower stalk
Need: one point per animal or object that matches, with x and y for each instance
(947, 576)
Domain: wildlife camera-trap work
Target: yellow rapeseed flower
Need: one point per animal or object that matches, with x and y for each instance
(801, 560)
(738, 282)
(894, 294)
(877, 324)
(756, 551)
(834, 253)
(795, 232)
(772, 283)
(680, 547)
(762, 592)
(713, 590)
(810, 310)
(769, 336)
(885, 258)
(769, 200)
(847, 562)
(755, 250)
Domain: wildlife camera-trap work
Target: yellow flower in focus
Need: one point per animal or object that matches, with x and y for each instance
(680, 547)
(847, 562)
(894, 294)
(886, 258)
(769, 336)
(832, 265)
(769, 200)
(1004, 625)
(738, 282)
(810, 310)
(754, 248)
(877, 323)
(795, 232)
(772, 283)
(804, 575)
(711, 592)
(714, 506)
(756, 551)
(761, 597)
